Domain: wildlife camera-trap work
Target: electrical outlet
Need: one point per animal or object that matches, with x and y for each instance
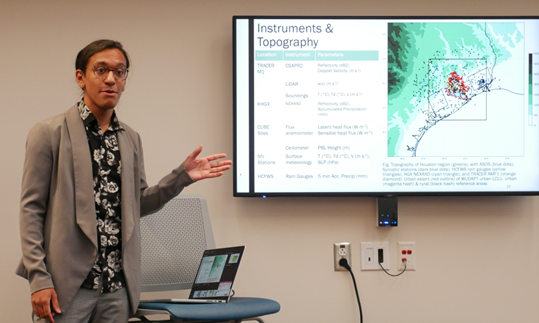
(340, 251)
(407, 251)
(370, 255)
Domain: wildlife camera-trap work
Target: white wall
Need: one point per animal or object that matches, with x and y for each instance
(477, 257)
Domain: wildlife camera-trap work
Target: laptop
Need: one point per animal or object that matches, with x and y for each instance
(214, 279)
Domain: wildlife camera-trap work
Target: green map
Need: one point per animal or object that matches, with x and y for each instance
(446, 72)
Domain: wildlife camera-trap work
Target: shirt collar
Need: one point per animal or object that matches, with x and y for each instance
(88, 117)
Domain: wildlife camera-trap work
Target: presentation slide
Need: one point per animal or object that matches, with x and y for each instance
(371, 105)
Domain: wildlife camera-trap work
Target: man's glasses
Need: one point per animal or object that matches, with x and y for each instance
(120, 73)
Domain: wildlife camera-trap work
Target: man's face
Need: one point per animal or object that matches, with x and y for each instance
(102, 94)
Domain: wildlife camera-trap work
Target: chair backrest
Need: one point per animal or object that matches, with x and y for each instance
(173, 240)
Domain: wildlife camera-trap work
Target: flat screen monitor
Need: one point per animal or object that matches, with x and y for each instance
(375, 106)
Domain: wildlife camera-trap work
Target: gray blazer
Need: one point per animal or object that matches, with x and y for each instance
(58, 217)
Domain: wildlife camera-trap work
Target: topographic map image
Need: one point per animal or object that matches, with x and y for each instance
(456, 89)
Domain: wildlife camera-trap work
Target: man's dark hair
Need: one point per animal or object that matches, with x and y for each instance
(95, 47)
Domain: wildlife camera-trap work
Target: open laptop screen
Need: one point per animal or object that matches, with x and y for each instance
(216, 273)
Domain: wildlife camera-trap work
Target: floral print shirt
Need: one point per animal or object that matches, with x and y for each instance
(106, 170)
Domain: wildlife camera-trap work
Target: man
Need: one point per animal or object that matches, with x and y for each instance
(83, 192)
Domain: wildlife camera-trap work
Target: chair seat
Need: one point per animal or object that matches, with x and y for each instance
(236, 308)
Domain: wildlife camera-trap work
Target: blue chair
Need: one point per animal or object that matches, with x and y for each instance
(173, 240)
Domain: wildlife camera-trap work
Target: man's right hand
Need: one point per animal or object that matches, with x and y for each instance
(42, 301)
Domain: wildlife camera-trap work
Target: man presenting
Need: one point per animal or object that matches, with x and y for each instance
(83, 192)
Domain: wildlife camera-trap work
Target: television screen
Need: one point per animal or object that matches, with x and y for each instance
(374, 106)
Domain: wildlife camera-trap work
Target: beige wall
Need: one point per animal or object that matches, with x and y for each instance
(477, 257)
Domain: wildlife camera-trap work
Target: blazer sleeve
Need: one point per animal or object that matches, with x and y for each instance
(35, 188)
(154, 197)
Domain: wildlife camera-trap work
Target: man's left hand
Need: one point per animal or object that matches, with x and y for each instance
(205, 167)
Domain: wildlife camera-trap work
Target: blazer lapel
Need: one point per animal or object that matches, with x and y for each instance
(82, 168)
(128, 158)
